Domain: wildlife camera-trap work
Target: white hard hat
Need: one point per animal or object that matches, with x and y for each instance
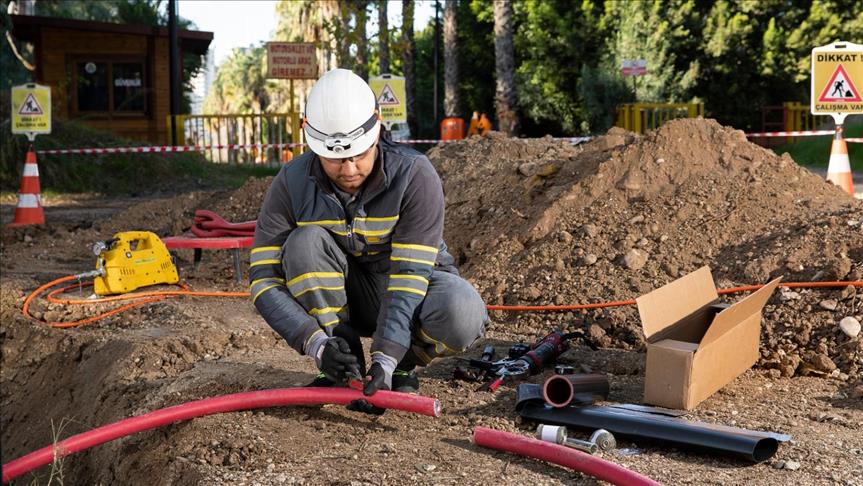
(341, 117)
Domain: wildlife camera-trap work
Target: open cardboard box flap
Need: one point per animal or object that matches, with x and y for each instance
(739, 312)
(669, 304)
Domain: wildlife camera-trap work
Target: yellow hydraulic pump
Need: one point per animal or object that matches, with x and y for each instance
(130, 260)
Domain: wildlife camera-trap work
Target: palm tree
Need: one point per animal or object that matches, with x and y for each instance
(383, 37)
(361, 66)
(408, 55)
(450, 59)
(505, 98)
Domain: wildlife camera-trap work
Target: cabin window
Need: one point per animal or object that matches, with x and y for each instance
(111, 87)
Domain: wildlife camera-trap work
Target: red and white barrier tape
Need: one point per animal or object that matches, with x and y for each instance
(165, 149)
(198, 148)
(803, 133)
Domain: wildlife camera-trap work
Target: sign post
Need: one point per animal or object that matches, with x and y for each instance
(292, 60)
(836, 84)
(31, 115)
(31, 110)
(390, 93)
(634, 68)
(837, 80)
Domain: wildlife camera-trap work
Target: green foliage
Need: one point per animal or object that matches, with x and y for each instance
(733, 55)
(240, 85)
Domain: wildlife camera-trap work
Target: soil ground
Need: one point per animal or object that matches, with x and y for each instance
(531, 222)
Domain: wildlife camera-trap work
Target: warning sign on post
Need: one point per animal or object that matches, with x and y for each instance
(836, 80)
(390, 92)
(31, 109)
(292, 60)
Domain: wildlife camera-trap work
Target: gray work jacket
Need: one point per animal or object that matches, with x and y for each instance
(396, 228)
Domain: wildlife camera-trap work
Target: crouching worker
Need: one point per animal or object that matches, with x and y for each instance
(349, 243)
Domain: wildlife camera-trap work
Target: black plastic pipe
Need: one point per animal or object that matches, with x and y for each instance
(753, 445)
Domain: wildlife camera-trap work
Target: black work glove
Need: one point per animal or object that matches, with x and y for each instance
(337, 362)
(376, 380)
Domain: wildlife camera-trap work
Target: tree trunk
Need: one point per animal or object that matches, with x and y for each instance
(408, 55)
(384, 37)
(362, 61)
(505, 98)
(450, 59)
(342, 35)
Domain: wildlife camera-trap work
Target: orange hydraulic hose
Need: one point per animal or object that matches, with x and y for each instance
(619, 303)
(142, 298)
(138, 298)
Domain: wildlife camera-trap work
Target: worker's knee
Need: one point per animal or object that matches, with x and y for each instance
(306, 242)
(456, 315)
(309, 247)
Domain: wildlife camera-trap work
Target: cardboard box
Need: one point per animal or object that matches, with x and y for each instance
(695, 345)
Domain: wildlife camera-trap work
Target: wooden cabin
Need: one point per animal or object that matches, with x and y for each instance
(112, 77)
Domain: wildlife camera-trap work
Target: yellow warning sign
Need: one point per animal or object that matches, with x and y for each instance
(837, 79)
(31, 109)
(390, 93)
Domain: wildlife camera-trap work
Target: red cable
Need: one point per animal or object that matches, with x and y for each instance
(226, 403)
(560, 455)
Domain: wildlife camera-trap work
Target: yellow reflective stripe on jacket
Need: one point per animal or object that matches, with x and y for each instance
(414, 260)
(258, 294)
(410, 277)
(318, 287)
(406, 289)
(337, 226)
(265, 248)
(305, 276)
(324, 310)
(406, 246)
(273, 261)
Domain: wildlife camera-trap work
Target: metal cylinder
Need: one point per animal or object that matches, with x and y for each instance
(551, 433)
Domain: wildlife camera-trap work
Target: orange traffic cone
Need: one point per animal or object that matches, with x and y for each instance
(839, 169)
(29, 209)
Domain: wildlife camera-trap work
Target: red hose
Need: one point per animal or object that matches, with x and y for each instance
(560, 455)
(227, 403)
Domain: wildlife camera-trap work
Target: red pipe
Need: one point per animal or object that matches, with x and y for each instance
(558, 454)
(226, 403)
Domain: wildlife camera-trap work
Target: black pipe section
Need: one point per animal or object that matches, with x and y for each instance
(559, 390)
(753, 445)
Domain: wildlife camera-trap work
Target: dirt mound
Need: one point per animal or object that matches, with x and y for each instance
(543, 222)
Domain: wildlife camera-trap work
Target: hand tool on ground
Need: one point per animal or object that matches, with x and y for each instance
(601, 439)
(542, 353)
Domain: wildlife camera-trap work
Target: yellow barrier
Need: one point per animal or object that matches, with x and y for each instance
(798, 117)
(240, 129)
(641, 117)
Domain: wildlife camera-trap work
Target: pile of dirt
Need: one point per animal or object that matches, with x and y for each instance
(543, 222)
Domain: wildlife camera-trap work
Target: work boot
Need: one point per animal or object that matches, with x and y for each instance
(405, 381)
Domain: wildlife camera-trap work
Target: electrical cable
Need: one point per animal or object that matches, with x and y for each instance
(142, 298)
(558, 454)
(208, 406)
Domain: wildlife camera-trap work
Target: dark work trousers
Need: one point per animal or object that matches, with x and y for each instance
(345, 297)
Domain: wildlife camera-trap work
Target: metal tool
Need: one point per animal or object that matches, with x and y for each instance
(599, 440)
(564, 369)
